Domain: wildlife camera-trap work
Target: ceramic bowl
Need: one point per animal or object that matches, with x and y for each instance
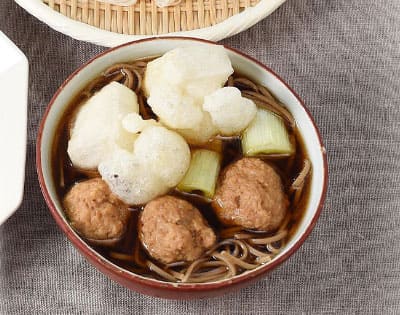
(245, 65)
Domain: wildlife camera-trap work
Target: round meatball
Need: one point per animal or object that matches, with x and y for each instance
(94, 211)
(250, 194)
(172, 230)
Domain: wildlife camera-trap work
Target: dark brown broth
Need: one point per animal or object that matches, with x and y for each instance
(65, 175)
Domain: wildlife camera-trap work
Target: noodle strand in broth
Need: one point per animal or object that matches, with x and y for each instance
(238, 250)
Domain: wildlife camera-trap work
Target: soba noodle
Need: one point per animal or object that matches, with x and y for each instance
(238, 250)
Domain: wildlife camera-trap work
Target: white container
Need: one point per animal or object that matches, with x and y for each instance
(13, 116)
(78, 30)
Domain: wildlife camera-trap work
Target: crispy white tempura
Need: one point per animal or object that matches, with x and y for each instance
(158, 162)
(177, 83)
(97, 130)
(230, 112)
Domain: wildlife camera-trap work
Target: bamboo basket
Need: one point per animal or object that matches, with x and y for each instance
(111, 25)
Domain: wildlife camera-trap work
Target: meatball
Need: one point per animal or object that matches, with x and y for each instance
(95, 212)
(250, 194)
(172, 230)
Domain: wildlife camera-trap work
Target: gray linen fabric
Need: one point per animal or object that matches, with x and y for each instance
(343, 58)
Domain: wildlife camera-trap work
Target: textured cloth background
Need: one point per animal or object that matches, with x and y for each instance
(343, 58)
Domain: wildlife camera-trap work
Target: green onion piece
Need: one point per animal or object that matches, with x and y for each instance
(266, 134)
(202, 174)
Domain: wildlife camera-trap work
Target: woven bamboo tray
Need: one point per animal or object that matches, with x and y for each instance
(110, 25)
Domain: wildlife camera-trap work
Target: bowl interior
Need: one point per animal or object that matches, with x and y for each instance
(241, 63)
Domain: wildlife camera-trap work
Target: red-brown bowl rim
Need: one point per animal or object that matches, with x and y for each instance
(105, 264)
